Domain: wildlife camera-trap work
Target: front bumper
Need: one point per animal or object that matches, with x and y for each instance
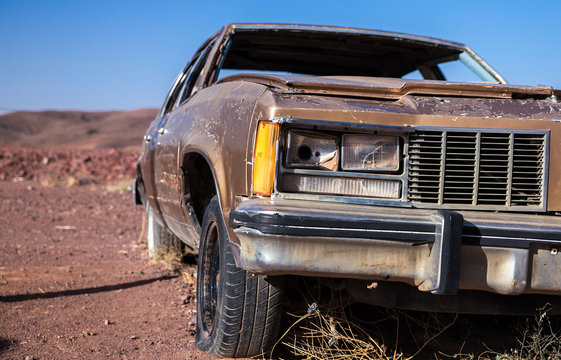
(436, 251)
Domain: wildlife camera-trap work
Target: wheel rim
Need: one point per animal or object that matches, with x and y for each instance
(211, 277)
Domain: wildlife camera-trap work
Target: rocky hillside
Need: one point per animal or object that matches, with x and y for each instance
(71, 147)
(76, 129)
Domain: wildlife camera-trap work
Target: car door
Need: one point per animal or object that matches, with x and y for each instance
(166, 146)
(151, 140)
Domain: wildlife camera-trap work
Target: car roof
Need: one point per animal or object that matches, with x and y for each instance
(340, 29)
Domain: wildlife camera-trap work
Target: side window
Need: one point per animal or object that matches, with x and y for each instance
(194, 72)
(187, 75)
(174, 93)
(183, 86)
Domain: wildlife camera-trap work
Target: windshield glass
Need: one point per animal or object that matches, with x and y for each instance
(465, 68)
(327, 53)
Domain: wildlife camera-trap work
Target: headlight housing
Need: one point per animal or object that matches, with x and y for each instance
(322, 159)
(370, 152)
(306, 149)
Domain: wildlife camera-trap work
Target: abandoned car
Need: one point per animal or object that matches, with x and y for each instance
(403, 166)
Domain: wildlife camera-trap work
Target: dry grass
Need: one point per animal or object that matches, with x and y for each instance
(120, 186)
(333, 331)
(325, 336)
(173, 257)
(333, 335)
(169, 257)
(539, 339)
(53, 180)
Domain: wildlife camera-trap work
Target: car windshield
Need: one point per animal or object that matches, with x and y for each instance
(346, 53)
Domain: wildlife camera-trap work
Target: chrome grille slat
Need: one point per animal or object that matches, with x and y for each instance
(477, 168)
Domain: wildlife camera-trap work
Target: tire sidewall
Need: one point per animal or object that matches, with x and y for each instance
(160, 240)
(213, 213)
(152, 231)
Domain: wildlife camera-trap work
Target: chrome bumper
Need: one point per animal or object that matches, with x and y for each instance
(436, 251)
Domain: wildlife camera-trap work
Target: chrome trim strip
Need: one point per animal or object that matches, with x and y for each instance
(342, 199)
(477, 129)
(477, 169)
(442, 168)
(343, 126)
(478, 207)
(510, 169)
(484, 238)
(546, 171)
(341, 174)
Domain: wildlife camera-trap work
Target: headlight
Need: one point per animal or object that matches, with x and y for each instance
(370, 153)
(311, 150)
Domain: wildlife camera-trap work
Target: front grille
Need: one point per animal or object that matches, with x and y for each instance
(486, 169)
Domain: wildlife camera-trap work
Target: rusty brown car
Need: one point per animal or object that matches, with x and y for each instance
(403, 166)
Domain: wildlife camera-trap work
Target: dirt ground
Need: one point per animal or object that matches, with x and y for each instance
(76, 282)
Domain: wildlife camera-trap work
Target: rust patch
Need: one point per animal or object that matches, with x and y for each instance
(170, 180)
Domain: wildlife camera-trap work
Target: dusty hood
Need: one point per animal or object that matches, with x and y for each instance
(390, 88)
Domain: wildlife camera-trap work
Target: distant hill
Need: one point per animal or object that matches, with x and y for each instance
(76, 129)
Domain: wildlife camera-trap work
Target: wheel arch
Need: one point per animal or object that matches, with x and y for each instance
(199, 183)
(138, 188)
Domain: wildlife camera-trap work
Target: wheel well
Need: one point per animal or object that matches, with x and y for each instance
(139, 189)
(199, 187)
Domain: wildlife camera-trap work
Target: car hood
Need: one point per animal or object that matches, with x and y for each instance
(390, 88)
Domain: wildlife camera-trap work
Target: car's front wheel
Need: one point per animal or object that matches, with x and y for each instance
(238, 313)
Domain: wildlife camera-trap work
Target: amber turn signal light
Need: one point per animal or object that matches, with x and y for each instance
(264, 157)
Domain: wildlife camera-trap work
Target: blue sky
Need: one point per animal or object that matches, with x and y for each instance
(104, 55)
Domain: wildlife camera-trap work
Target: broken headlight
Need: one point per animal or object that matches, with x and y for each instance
(311, 150)
(370, 152)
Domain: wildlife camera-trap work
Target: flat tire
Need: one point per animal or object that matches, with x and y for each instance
(238, 313)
